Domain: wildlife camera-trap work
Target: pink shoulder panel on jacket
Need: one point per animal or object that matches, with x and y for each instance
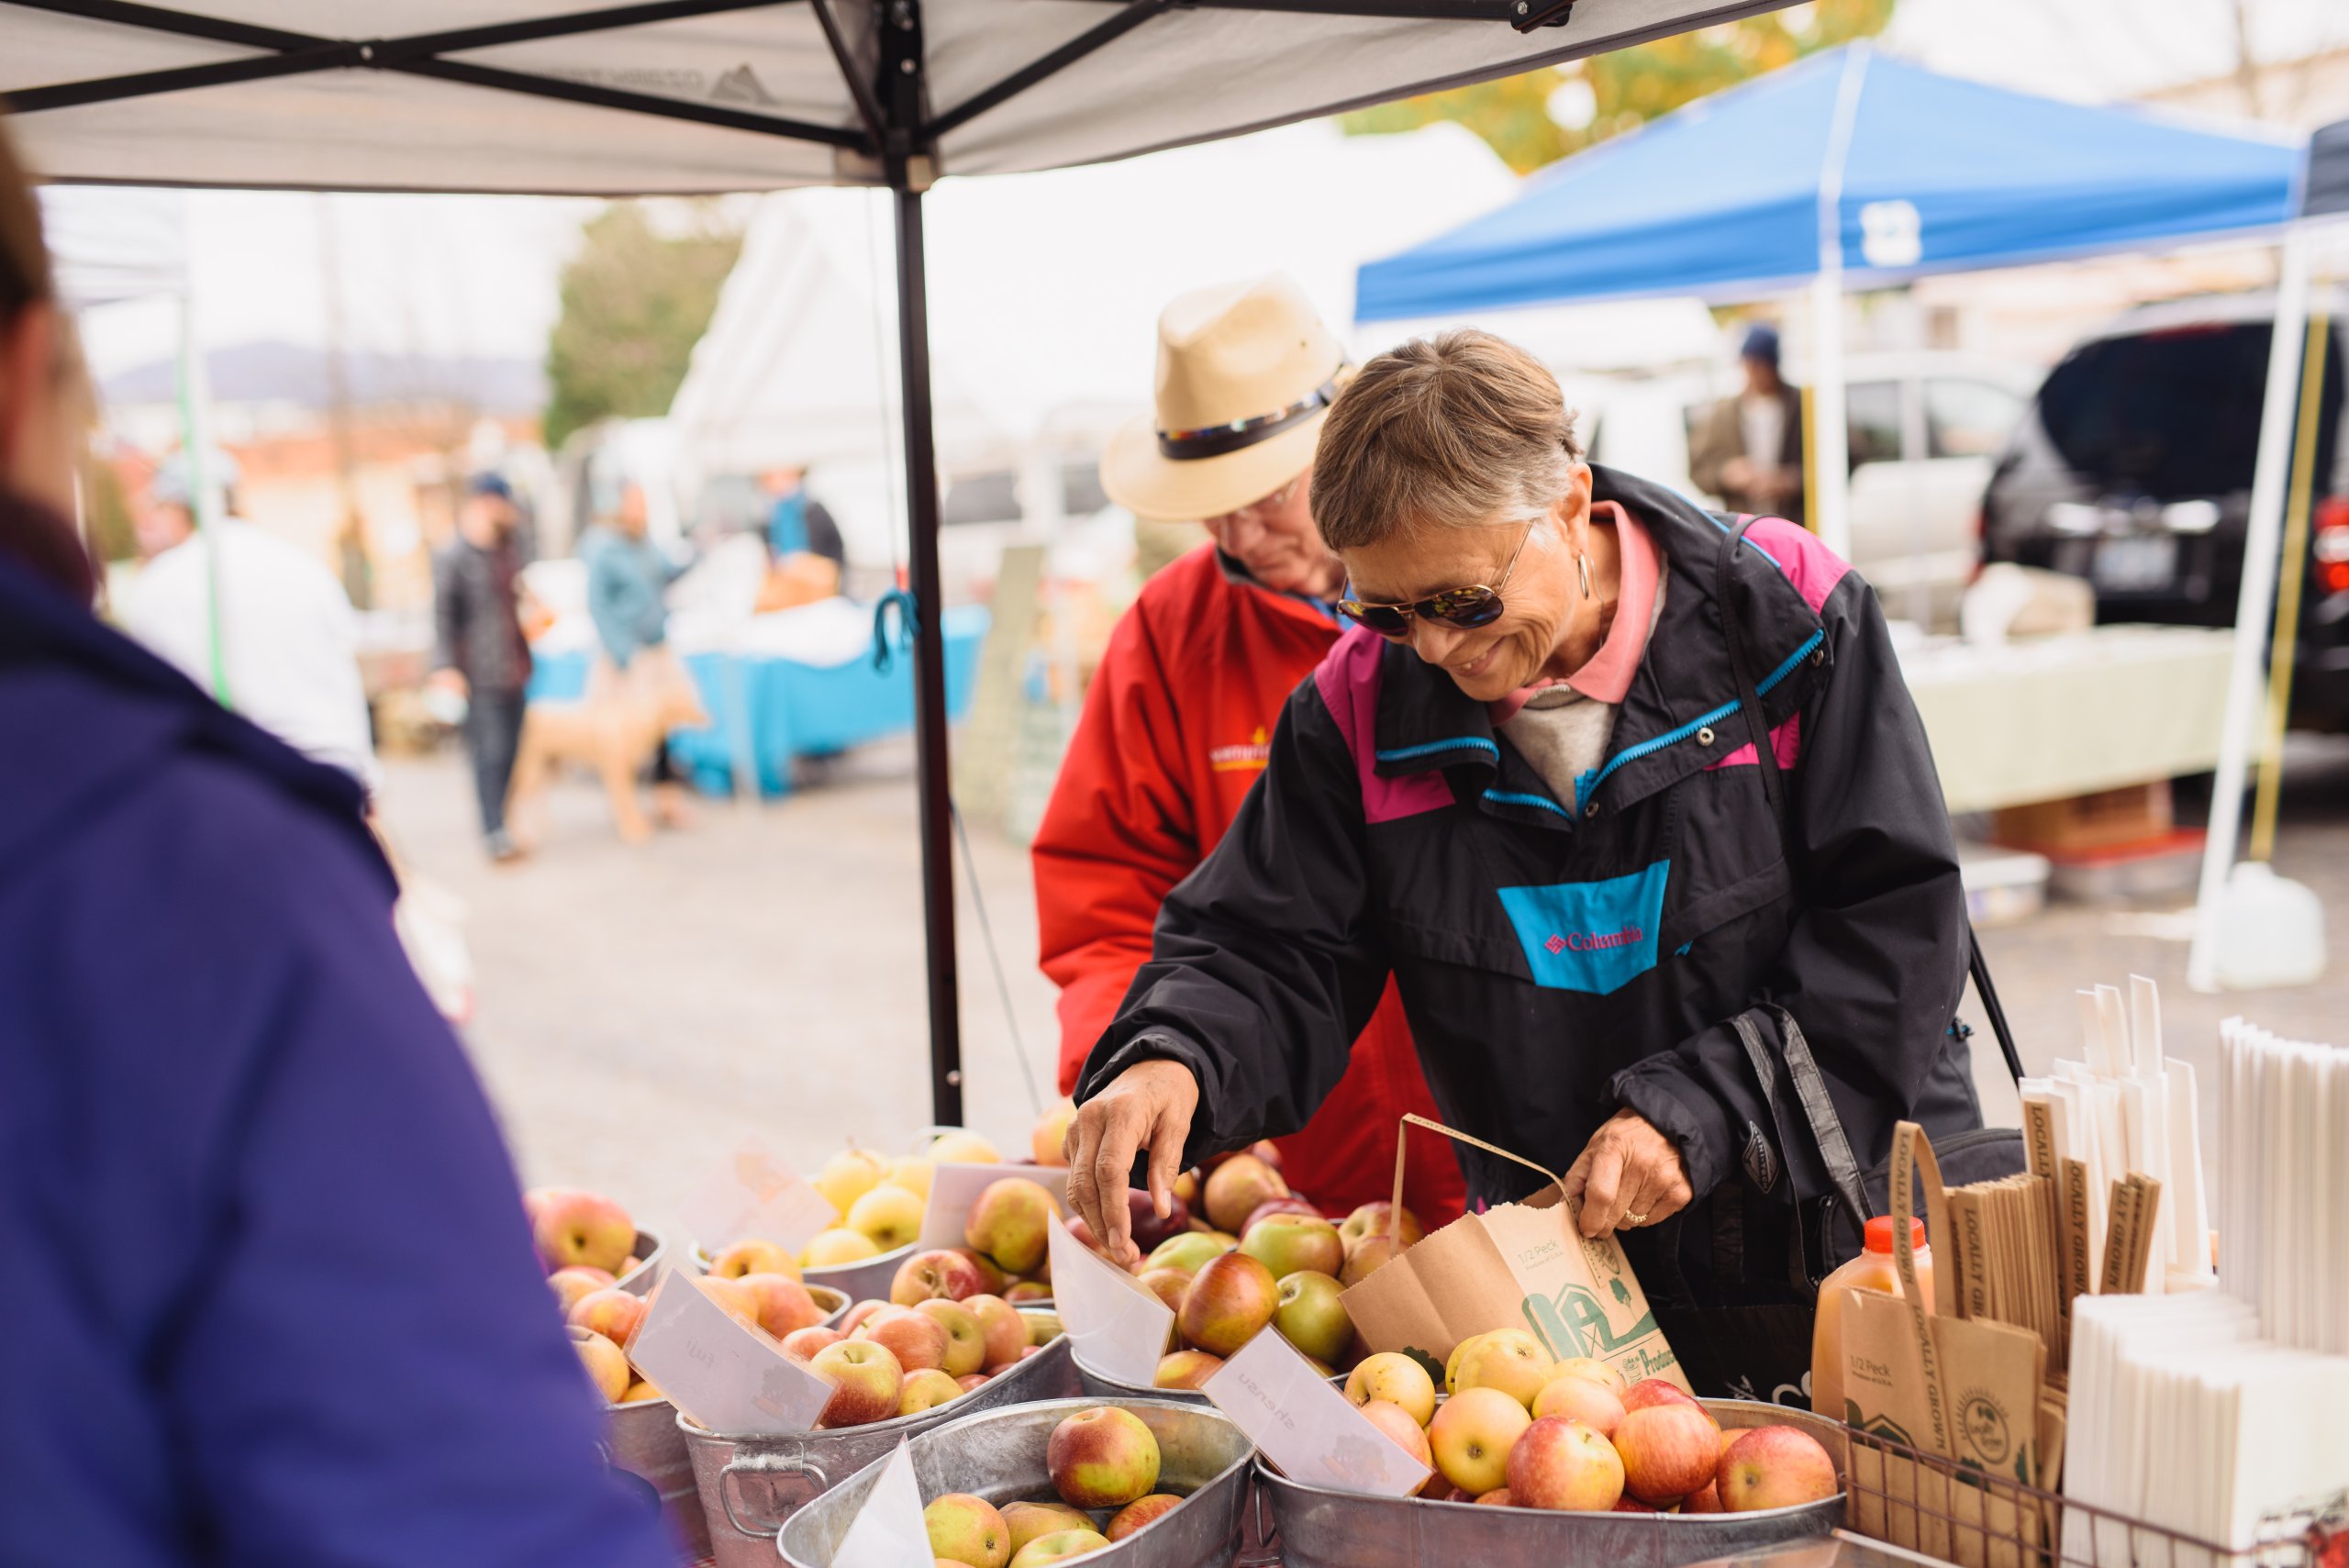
(1810, 566)
(1348, 680)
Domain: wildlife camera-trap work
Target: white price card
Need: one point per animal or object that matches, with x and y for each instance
(754, 1193)
(726, 1376)
(1115, 1323)
(1308, 1429)
(888, 1530)
(954, 1188)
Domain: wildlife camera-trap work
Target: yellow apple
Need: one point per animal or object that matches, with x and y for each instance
(848, 1176)
(1051, 1132)
(890, 1217)
(606, 1368)
(963, 1148)
(1509, 1360)
(753, 1256)
(1397, 1379)
(913, 1173)
(1471, 1435)
(830, 1248)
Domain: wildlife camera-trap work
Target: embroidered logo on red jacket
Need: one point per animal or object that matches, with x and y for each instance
(1249, 758)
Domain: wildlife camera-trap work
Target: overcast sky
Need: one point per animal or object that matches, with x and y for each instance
(477, 274)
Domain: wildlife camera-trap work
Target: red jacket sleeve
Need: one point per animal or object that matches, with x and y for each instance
(1118, 834)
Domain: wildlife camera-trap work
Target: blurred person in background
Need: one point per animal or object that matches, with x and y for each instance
(1177, 724)
(798, 523)
(628, 576)
(254, 619)
(1748, 451)
(480, 653)
(277, 1292)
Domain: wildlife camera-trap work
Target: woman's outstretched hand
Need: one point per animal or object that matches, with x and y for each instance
(1148, 1106)
(1629, 1176)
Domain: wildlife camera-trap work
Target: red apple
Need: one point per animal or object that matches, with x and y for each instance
(1102, 1458)
(1373, 1220)
(993, 1281)
(927, 1389)
(916, 1341)
(967, 1530)
(866, 1382)
(1397, 1423)
(1775, 1467)
(1050, 1135)
(1170, 1285)
(570, 1285)
(805, 1342)
(1654, 1391)
(854, 1318)
(1032, 1521)
(1365, 1257)
(971, 1380)
(1027, 1290)
(1230, 1299)
(1560, 1462)
(572, 1227)
(1235, 1187)
(1705, 1499)
(1140, 1512)
(937, 1275)
(606, 1368)
(1498, 1497)
(1669, 1449)
(1593, 1404)
(783, 1303)
(1301, 1208)
(1187, 1369)
(1000, 1325)
(1142, 1219)
(966, 1341)
(732, 1294)
(611, 1312)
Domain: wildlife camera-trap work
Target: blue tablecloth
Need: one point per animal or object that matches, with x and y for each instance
(790, 709)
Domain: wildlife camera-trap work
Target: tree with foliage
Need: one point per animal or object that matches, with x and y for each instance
(1630, 86)
(635, 300)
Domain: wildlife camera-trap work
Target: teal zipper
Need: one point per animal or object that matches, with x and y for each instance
(1673, 738)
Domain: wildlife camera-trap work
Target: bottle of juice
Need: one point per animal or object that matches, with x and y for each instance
(1874, 1268)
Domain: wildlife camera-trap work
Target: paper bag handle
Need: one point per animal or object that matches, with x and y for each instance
(1412, 1119)
(1912, 1155)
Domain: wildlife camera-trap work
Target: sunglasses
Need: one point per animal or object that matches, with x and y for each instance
(1465, 607)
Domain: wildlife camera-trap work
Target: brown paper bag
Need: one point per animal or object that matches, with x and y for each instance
(1522, 1265)
(1964, 1391)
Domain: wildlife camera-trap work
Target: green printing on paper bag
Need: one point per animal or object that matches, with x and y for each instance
(1574, 1323)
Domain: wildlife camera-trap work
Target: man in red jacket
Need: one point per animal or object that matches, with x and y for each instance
(1179, 718)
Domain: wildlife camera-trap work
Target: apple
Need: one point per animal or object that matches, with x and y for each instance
(1103, 1457)
(733, 1296)
(1009, 1222)
(608, 1369)
(1593, 1404)
(1267, 1151)
(913, 1173)
(961, 1147)
(857, 1315)
(1654, 1391)
(1050, 1135)
(1394, 1377)
(805, 1342)
(640, 1391)
(1507, 1359)
(1235, 1187)
(1302, 1207)
(569, 1284)
(1189, 1251)
(1498, 1497)
(967, 1340)
(1292, 1243)
(993, 1281)
(1397, 1424)
(1140, 1512)
(937, 1275)
(576, 1228)
(1775, 1467)
(1471, 1435)
(1031, 1521)
(890, 1217)
(1381, 1219)
(782, 1304)
(1669, 1449)
(918, 1342)
(1705, 1499)
(1230, 1299)
(838, 1246)
(926, 1388)
(1148, 1229)
(1366, 1257)
(1043, 1327)
(866, 1382)
(1002, 1330)
(1561, 1463)
(967, 1529)
(753, 1256)
(1027, 1290)
(1630, 1505)
(1083, 1233)
(971, 1380)
(1310, 1317)
(611, 1312)
(1170, 1285)
(1059, 1547)
(1597, 1370)
(1187, 1369)
(1189, 1186)
(848, 1176)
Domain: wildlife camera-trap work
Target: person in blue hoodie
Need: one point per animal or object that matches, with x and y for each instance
(271, 1299)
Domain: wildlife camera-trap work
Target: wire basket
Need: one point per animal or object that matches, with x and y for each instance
(1927, 1503)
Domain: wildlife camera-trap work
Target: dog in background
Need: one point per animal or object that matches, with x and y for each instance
(611, 732)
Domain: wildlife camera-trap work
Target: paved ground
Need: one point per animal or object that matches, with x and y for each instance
(640, 1010)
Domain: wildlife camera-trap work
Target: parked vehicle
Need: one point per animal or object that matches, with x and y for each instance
(1922, 427)
(2133, 470)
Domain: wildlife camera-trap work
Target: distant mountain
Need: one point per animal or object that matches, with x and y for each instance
(297, 373)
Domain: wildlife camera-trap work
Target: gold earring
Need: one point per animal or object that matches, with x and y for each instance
(1582, 569)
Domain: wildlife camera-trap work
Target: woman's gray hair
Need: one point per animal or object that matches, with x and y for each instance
(1456, 430)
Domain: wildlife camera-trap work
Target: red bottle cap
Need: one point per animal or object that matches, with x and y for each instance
(1879, 1235)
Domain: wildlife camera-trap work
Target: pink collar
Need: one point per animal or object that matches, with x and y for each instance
(1606, 677)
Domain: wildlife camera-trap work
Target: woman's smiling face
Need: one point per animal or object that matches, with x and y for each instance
(1487, 662)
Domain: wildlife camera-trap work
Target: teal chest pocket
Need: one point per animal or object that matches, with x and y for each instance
(1596, 937)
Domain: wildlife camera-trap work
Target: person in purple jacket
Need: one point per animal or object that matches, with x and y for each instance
(271, 1298)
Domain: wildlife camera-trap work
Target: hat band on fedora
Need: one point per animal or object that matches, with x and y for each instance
(1215, 440)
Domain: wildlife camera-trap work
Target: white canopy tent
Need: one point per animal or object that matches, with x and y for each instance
(686, 95)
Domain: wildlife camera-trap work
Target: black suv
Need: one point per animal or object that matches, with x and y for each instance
(2134, 469)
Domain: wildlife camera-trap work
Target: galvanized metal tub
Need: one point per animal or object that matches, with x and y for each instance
(1103, 1387)
(999, 1455)
(867, 1281)
(750, 1485)
(651, 1248)
(1322, 1529)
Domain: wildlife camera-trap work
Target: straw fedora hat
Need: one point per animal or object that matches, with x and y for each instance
(1246, 372)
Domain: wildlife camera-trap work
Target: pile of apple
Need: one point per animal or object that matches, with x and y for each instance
(587, 1243)
(1103, 1461)
(1521, 1431)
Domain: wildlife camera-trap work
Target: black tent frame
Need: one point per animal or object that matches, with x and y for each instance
(898, 133)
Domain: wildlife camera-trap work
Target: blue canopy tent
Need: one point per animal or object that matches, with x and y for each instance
(1849, 168)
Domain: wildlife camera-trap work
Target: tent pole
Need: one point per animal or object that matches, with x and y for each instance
(1830, 458)
(930, 666)
(2260, 560)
